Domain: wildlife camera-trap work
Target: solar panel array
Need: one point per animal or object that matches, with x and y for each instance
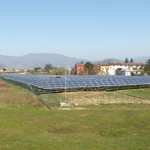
(76, 81)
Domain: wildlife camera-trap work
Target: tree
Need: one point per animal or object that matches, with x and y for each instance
(48, 67)
(126, 60)
(89, 68)
(131, 60)
(89, 65)
(61, 71)
(4, 69)
(147, 67)
(37, 68)
(82, 72)
(72, 71)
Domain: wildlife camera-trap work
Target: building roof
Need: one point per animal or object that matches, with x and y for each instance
(10, 70)
(132, 64)
(125, 64)
(101, 64)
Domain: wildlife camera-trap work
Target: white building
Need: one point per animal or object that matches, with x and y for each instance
(128, 72)
(126, 67)
(1, 70)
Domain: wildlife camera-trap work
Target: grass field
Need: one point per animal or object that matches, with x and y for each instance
(27, 124)
(143, 93)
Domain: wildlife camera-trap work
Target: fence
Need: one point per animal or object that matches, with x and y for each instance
(88, 98)
(27, 87)
(85, 98)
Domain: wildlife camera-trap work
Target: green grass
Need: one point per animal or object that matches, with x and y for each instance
(116, 95)
(52, 98)
(83, 129)
(143, 93)
(24, 126)
(131, 94)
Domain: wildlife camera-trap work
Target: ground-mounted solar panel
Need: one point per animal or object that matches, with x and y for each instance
(111, 83)
(58, 86)
(94, 83)
(88, 83)
(116, 84)
(100, 83)
(46, 86)
(70, 84)
(121, 82)
(105, 83)
(76, 81)
(82, 84)
(40, 85)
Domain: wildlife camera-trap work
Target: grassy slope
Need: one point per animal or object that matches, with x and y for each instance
(28, 125)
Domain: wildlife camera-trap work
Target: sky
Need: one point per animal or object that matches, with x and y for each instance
(87, 29)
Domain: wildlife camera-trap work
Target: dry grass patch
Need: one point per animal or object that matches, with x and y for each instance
(4, 88)
(83, 98)
(13, 95)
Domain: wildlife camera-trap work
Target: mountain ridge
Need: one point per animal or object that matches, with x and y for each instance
(57, 60)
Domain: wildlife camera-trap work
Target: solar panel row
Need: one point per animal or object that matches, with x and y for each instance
(76, 81)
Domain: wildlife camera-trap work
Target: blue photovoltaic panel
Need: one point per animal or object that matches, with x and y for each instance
(76, 81)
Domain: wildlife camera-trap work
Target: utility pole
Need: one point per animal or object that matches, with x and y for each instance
(65, 88)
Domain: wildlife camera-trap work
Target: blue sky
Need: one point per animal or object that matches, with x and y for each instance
(89, 29)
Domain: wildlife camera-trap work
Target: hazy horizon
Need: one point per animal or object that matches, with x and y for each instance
(87, 29)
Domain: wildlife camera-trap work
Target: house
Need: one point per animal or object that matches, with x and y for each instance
(25, 70)
(18, 70)
(101, 72)
(69, 70)
(105, 68)
(97, 68)
(128, 72)
(101, 67)
(79, 68)
(111, 68)
(124, 66)
(32, 70)
(10, 70)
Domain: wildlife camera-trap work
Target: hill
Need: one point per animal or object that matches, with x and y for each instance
(142, 59)
(41, 59)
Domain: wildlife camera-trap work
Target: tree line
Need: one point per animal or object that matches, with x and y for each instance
(49, 68)
(127, 61)
(88, 68)
(147, 67)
